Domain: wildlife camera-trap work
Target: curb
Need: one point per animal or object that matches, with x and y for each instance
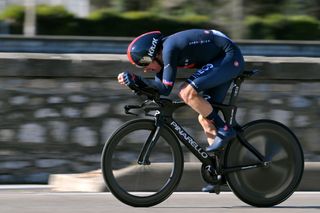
(191, 179)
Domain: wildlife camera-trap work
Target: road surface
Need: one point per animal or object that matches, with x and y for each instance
(43, 200)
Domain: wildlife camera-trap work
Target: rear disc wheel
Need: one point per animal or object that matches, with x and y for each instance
(270, 185)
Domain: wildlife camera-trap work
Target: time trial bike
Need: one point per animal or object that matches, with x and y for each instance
(142, 161)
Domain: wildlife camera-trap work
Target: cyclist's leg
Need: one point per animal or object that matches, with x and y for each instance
(221, 72)
(213, 95)
(211, 75)
(215, 76)
(215, 84)
(195, 100)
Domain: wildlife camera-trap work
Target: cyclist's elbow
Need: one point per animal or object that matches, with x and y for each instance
(166, 91)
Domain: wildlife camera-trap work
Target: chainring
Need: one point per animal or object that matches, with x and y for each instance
(209, 174)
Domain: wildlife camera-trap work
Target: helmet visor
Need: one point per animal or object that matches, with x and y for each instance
(144, 61)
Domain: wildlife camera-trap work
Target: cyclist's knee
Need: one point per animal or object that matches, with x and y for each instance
(202, 120)
(187, 92)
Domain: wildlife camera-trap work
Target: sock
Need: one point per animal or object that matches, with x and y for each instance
(218, 122)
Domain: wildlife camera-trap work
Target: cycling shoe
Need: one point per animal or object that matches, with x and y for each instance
(211, 189)
(222, 138)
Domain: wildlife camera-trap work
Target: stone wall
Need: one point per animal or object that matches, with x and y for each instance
(58, 110)
(55, 125)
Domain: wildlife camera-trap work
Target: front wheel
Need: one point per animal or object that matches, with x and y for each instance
(141, 184)
(271, 185)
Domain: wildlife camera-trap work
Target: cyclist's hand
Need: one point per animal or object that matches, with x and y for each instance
(126, 78)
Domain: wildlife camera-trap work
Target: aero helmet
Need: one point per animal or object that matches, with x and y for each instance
(143, 49)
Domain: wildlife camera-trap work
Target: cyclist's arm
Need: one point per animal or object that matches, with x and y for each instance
(163, 81)
(155, 84)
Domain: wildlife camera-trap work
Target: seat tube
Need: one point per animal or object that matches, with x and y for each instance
(235, 91)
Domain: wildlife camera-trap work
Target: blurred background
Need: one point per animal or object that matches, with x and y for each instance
(245, 19)
(59, 99)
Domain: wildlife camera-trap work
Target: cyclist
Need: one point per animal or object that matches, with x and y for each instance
(218, 60)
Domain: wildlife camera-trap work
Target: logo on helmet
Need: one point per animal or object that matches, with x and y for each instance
(153, 47)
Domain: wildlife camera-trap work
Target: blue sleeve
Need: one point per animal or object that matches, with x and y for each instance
(156, 84)
(164, 80)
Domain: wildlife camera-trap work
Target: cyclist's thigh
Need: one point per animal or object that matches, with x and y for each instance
(217, 94)
(212, 75)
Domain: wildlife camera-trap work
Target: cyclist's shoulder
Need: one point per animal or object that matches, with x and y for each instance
(186, 34)
(181, 38)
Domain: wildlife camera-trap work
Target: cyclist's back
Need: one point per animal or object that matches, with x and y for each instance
(195, 48)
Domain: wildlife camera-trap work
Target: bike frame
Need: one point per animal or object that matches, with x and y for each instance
(164, 117)
(189, 142)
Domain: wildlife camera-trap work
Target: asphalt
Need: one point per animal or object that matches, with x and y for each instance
(41, 199)
(191, 180)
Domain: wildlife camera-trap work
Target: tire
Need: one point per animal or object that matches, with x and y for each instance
(265, 186)
(141, 185)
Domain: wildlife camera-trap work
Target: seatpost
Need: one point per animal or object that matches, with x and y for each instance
(235, 90)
